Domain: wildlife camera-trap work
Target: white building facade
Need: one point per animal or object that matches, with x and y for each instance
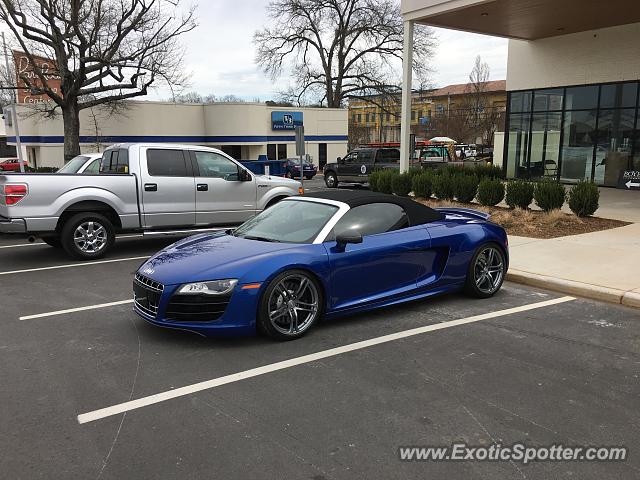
(572, 79)
(246, 131)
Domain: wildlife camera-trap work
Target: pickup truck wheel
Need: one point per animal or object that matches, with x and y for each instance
(87, 235)
(331, 180)
(52, 241)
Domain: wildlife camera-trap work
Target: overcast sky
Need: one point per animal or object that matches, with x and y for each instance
(220, 53)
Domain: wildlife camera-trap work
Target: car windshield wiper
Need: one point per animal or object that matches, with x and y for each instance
(261, 239)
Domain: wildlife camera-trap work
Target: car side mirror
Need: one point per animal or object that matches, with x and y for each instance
(242, 176)
(342, 239)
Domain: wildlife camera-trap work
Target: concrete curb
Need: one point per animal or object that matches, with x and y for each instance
(595, 292)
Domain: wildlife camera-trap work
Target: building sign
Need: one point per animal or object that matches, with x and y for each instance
(286, 120)
(24, 68)
(629, 180)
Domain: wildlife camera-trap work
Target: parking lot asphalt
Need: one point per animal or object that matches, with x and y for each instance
(543, 373)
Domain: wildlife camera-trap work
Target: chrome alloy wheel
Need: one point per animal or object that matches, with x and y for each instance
(293, 304)
(90, 237)
(330, 180)
(489, 270)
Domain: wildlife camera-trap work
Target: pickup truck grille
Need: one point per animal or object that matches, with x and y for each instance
(146, 294)
(196, 308)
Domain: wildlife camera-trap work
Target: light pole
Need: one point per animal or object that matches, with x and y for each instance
(12, 110)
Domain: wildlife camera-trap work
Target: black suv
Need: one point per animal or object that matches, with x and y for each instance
(359, 163)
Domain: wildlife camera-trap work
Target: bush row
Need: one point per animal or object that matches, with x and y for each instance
(486, 186)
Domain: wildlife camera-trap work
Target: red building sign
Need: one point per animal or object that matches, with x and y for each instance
(24, 68)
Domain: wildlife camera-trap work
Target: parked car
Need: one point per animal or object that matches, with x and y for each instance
(87, 163)
(336, 253)
(292, 170)
(356, 166)
(11, 165)
(142, 187)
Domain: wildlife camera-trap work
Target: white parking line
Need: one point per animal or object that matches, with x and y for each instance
(73, 310)
(73, 265)
(18, 245)
(332, 352)
(22, 245)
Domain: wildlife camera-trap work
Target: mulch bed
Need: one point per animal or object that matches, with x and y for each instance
(537, 224)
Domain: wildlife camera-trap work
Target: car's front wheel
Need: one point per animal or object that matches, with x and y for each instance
(87, 235)
(331, 180)
(290, 305)
(486, 272)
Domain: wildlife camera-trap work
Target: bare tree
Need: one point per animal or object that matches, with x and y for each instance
(339, 49)
(104, 51)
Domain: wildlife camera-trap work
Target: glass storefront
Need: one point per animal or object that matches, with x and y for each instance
(568, 134)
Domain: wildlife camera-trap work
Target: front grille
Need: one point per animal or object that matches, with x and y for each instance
(196, 308)
(146, 294)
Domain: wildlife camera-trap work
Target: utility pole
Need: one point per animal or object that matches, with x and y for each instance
(12, 109)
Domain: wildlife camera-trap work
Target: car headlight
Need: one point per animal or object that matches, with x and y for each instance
(215, 287)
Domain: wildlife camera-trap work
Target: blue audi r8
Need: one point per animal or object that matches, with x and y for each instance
(331, 254)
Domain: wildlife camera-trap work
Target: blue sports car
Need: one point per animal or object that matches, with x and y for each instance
(331, 254)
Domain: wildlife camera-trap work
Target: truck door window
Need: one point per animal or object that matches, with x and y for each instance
(388, 155)
(211, 164)
(351, 158)
(365, 156)
(166, 163)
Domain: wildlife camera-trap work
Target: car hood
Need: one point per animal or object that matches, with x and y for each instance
(211, 256)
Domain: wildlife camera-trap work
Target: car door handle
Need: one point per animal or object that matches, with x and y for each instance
(202, 187)
(150, 187)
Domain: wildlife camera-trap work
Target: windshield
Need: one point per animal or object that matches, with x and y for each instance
(290, 221)
(73, 165)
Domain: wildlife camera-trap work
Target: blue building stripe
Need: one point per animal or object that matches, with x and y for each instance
(180, 138)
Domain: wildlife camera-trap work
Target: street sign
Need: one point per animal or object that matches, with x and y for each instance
(299, 140)
(629, 180)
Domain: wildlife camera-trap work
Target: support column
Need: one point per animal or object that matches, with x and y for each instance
(407, 77)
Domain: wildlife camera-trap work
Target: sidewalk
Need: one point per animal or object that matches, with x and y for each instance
(600, 265)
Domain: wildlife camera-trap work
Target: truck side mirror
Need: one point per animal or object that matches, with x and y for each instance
(340, 160)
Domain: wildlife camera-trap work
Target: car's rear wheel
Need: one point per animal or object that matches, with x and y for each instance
(290, 305)
(486, 271)
(87, 235)
(331, 179)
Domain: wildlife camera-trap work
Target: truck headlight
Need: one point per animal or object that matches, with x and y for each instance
(215, 287)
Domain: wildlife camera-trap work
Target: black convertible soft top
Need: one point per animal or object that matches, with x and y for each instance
(418, 213)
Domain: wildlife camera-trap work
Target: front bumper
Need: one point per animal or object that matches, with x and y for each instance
(239, 317)
(12, 225)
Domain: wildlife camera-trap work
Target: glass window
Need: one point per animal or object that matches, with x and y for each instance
(388, 155)
(282, 151)
(582, 98)
(365, 156)
(578, 145)
(214, 165)
(549, 99)
(93, 168)
(271, 151)
(518, 145)
(618, 95)
(615, 140)
(372, 219)
(520, 102)
(115, 161)
(291, 221)
(351, 158)
(73, 165)
(166, 163)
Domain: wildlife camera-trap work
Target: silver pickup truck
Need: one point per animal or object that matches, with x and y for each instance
(155, 188)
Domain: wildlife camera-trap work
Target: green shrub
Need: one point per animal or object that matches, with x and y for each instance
(373, 180)
(443, 186)
(583, 198)
(401, 184)
(385, 180)
(487, 171)
(422, 185)
(549, 195)
(490, 192)
(414, 171)
(519, 194)
(465, 187)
